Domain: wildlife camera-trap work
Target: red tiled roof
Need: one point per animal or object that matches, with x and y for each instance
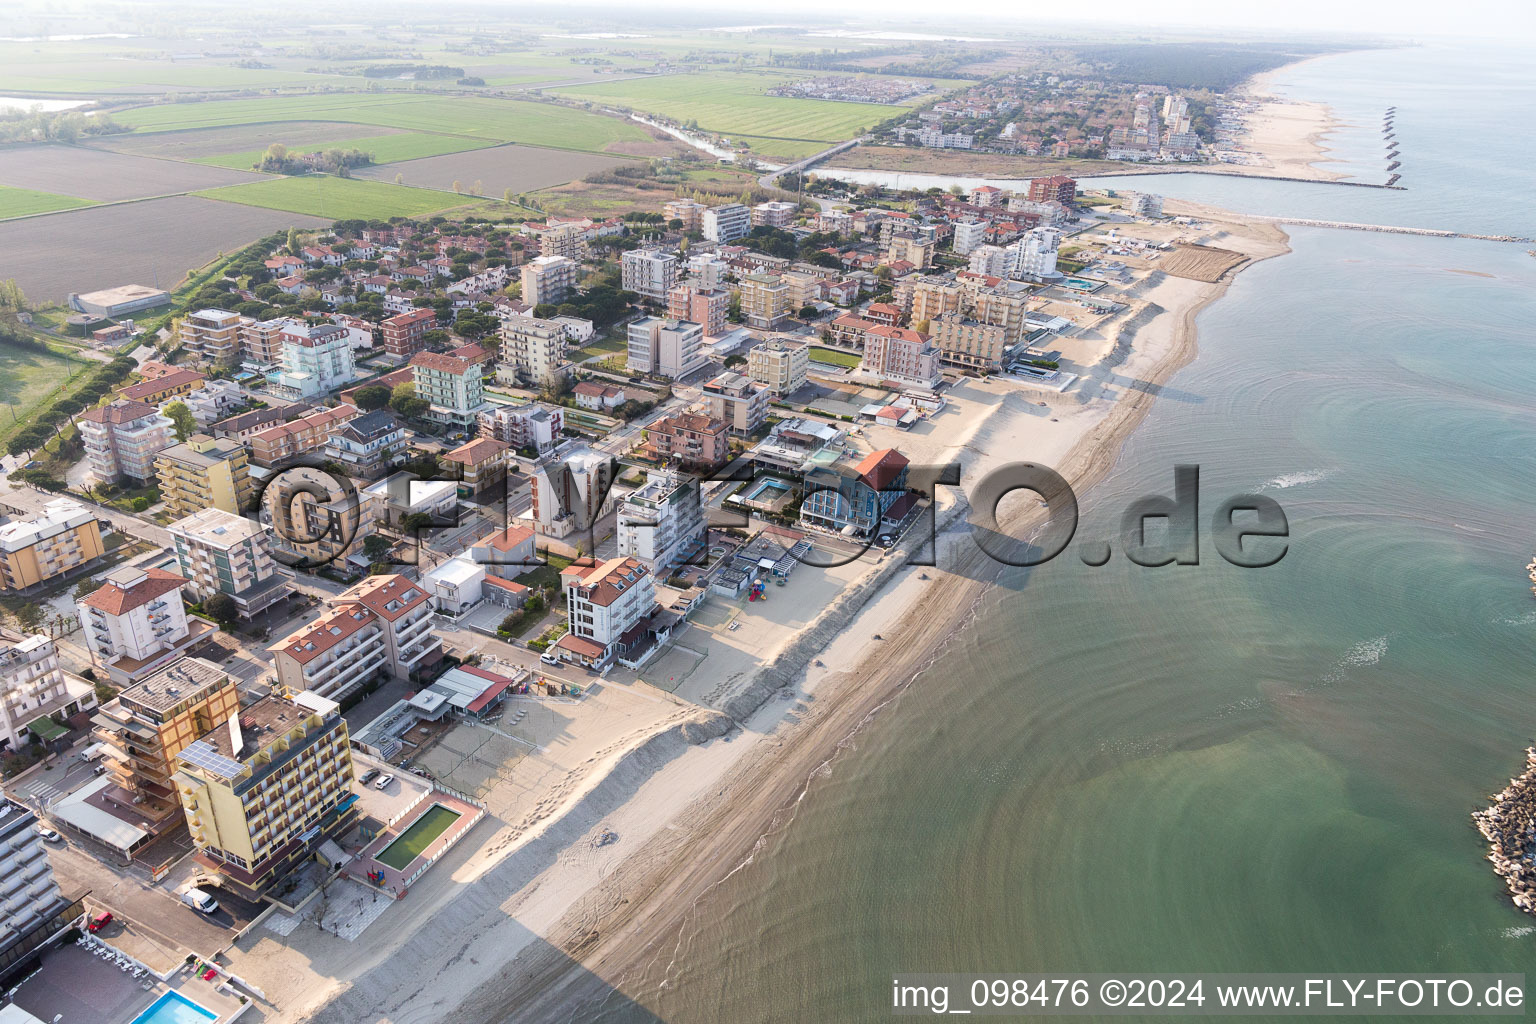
(511, 537)
(581, 646)
(122, 411)
(116, 600)
(441, 363)
(477, 451)
(881, 467)
(501, 584)
(162, 383)
(304, 645)
(379, 593)
(604, 583)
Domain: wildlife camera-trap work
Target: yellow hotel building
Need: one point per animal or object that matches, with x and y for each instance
(43, 545)
(205, 472)
(264, 791)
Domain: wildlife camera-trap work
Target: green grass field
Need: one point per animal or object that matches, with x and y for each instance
(386, 149)
(338, 198)
(28, 378)
(418, 837)
(475, 117)
(833, 356)
(18, 202)
(736, 104)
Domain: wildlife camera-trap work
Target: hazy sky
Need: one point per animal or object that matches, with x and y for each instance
(1422, 18)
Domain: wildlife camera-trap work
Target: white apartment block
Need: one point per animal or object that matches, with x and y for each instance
(222, 553)
(782, 364)
(650, 273)
(724, 224)
(212, 402)
(738, 400)
(316, 358)
(968, 235)
(991, 260)
(667, 348)
(33, 687)
(1034, 255)
(122, 439)
(136, 615)
(533, 348)
(707, 270)
(454, 387)
(572, 493)
(776, 214)
(548, 279)
(661, 522)
(524, 426)
(605, 601)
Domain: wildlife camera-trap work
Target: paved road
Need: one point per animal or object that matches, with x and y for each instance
(32, 499)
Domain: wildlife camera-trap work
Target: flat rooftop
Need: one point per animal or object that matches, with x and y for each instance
(174, 684)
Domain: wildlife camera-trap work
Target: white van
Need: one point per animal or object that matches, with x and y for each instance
(200, 901)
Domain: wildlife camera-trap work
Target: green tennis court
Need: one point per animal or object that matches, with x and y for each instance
(414, 840)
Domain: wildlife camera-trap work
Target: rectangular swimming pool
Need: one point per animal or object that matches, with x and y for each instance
(418, 837)
(768, 490)
(175, 1008)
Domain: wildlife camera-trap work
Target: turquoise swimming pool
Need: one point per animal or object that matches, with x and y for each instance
(175, 1008)
(767, 490)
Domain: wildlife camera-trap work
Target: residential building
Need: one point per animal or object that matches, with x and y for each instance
(454, 387)
(261, 341)
(666, 348)
(650, 273)
(121, 440)
(564, 241)
(1058, 188)
(211, 335)
(135, 621)
(914, 248)
(219, 552)
(662, 521)
(316, 359)
(405, 334)
(725, 224)
(506, 554)
(532, 426)
(775, 214)
(572, 493)
(49, 543)
(283, 442)
(399, 495)
(986, 196)
(532, 348)
(315, 518)
(691, 440)
(1034, 255)
(548, 280)
(1143, 204)
(149, 723)
(405, 612)
(605, 601)
(706, 270)
(213, 401)
(686, 210)
(577, 330)
(854, 498)
(335, 655)
(780, 363)
(968, 234)
(368, 445)
(884, 314)
(164, 387)
(835, 222)
(205, 472)
(703, 306)
(764, 301)
(738, 400)
(901, 355)
(481, 466)
(597, 397)
(968, 343)
(265, 792)
(849, 330)
(992, 261)
(32, 909)
(35, 692)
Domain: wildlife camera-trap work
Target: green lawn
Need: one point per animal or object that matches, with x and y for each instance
(736, 104)
(476, 117)
(18, 202)
(386, 149)
(338, 198)
(833, 356)
(30, 376)
(418, 837)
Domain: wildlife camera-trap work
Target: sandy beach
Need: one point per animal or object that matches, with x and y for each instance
(531, 920)
(1286, 135)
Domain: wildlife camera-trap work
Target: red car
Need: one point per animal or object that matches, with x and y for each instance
(100, 921)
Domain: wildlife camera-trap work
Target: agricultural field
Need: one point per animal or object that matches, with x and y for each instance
(519, 168)
(145, 76)
(334, 198)
(475, 117)
(203, 143)
(155, 242)
(97, 174)
(19, 202)
(735, 104)
(385, 148)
